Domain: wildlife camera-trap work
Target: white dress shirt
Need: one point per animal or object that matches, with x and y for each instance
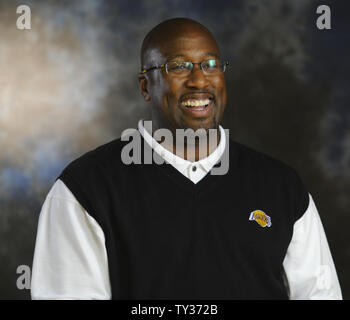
(70, 258)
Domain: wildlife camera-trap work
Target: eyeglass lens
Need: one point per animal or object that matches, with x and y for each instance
(208, 66)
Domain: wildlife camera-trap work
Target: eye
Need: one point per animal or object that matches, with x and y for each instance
(178, 66)
(212, 63)
(211, 66)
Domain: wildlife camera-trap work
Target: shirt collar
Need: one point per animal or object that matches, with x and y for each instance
(179, 163)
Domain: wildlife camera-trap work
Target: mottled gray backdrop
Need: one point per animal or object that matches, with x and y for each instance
(70, 84)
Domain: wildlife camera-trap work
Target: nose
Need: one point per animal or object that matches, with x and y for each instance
(197, 79)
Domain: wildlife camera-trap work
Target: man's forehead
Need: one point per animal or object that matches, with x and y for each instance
(186, 39)
(184, 46)
(177, 37)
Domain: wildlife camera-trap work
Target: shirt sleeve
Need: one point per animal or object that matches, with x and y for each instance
(308, 264)
(70, 258)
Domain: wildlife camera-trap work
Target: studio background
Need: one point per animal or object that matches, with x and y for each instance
(69, 84)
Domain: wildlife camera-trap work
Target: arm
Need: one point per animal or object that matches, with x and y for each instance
(308, 263)
(70, 259)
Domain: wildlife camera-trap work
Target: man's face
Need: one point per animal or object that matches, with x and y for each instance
(174, 97)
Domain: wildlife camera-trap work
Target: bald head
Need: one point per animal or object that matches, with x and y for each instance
(174, 41)
(166, 30)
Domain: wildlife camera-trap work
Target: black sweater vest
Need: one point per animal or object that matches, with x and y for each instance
(168, 238)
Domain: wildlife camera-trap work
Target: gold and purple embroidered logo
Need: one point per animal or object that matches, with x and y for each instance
(260, 217)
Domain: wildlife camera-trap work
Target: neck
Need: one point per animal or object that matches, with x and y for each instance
(191, 145)
(202, 147)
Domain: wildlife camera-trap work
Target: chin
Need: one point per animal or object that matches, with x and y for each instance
(205, 124)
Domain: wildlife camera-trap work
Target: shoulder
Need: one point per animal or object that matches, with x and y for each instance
(96, 163)
(88, 176)
(257, 161)
(101, 156)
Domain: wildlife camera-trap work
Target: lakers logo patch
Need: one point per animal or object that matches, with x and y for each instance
(260, 217)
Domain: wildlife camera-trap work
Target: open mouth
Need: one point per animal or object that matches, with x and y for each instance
(196, 104)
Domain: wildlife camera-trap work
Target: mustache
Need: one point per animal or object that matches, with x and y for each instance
(212, 95)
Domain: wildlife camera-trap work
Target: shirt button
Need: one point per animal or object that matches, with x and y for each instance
(194, 168)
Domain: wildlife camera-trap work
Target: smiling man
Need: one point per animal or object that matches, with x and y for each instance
(183, 77)
(111, 230)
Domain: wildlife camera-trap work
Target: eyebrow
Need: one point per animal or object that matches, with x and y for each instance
(215, 55)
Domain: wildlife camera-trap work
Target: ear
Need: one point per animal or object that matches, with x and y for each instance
(143, 87)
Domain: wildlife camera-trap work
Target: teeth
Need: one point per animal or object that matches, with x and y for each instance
(195, 103)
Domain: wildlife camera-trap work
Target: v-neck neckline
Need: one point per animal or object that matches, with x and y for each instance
(208, 182)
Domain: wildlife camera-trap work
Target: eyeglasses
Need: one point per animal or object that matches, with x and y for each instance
(184, 68)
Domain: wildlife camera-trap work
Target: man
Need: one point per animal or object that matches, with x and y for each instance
(111, 230)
